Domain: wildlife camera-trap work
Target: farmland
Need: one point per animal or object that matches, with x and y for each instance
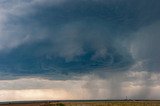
(86, 103)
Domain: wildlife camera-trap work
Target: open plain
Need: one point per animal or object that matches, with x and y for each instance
(84, 103)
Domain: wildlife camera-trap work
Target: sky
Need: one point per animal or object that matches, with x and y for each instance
(79, 49)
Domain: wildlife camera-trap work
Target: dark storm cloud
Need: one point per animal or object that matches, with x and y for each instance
(146, 46)
(51, 38)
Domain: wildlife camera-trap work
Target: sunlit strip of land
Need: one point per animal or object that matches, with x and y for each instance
(86, 103)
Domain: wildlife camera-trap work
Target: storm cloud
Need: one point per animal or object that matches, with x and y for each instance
(67, 39)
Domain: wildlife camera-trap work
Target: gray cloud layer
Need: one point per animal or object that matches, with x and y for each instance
(104, 47)
(50, 38)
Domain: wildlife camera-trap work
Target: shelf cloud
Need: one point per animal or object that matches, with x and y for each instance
(58, 40)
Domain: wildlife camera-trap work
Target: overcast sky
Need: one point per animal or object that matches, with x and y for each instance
(79, 49)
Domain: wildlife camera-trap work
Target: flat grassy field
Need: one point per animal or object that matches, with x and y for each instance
(90, 103)
(113, 103)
